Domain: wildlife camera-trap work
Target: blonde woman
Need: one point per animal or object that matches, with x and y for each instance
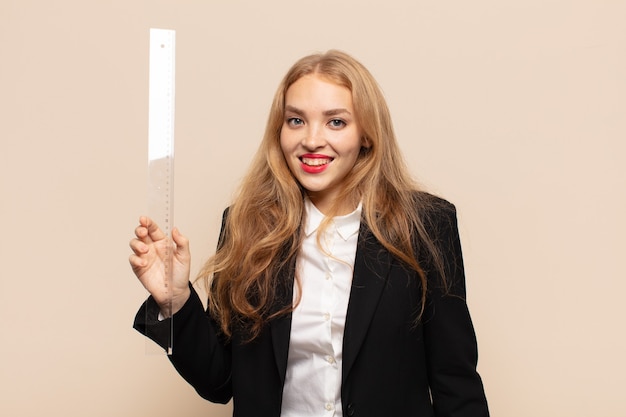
(337, 288)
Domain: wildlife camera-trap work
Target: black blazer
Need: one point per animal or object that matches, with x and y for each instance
(392, 365)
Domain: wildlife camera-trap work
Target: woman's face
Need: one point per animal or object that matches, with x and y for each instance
(320, 137)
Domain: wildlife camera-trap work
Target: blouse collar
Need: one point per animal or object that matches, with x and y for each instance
(346, 225)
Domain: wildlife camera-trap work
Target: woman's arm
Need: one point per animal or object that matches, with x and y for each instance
(451, 347)
(198, 353)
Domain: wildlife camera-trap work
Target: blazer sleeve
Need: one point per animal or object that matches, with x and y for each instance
(199, 354)
(450, 340)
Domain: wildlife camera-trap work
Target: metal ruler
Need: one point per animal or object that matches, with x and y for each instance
(161, 144)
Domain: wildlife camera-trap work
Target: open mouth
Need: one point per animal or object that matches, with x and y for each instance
(315, 162)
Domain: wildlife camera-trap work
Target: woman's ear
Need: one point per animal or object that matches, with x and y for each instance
(365, 142)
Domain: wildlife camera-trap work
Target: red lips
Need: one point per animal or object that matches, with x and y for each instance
(314, 163)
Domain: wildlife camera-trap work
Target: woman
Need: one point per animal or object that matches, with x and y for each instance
(337, 287)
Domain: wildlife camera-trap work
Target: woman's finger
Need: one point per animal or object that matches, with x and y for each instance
(182, 243)
(136, 262)
(138, 247)
(153, 230)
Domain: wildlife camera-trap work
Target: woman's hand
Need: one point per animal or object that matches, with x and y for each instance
(150, 248)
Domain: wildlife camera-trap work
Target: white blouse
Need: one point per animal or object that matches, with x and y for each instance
(313, 382)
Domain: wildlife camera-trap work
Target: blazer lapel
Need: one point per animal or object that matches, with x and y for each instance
(371, 270)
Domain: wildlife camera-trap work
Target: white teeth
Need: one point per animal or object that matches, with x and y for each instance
(315, 162)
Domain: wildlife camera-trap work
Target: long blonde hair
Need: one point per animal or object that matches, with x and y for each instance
(262, 232)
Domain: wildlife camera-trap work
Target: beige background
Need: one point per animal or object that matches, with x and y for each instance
(514, 110)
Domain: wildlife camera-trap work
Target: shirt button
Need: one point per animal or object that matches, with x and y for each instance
(328, 276)
(326, 316)
(329, 406)
(330, 359)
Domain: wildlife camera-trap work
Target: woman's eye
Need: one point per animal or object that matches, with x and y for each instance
(337, 123)
(294, 121)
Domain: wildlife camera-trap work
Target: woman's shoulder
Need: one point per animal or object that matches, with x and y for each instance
(431, 205)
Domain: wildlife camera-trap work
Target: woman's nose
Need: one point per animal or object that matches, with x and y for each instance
(313, 138)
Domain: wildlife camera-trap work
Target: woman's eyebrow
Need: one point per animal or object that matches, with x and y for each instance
(335, 112)
(294, 110)
(331, 112)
